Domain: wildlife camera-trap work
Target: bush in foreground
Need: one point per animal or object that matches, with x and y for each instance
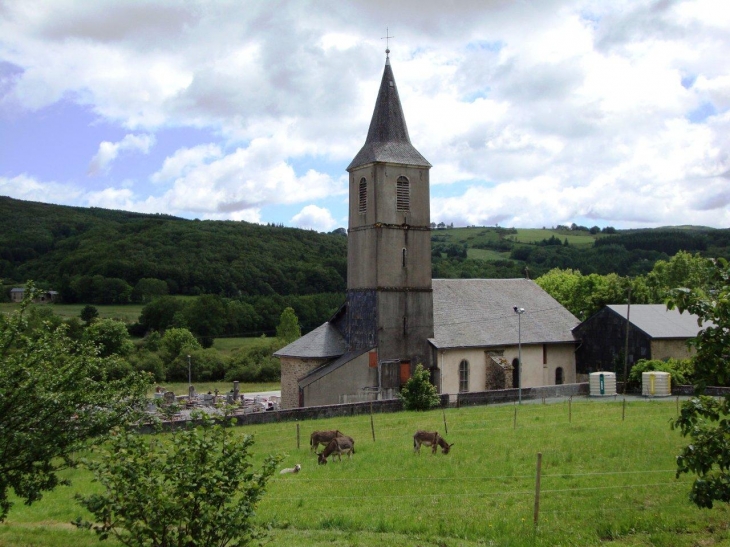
(195, 488)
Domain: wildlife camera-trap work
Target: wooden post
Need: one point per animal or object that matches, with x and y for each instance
(372, 425)
(537, 488)
(297, 436)
(623, 410)
(445, 426)
(570, 409)
(514, 425)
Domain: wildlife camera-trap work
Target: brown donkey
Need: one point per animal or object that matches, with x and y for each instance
(432, 439)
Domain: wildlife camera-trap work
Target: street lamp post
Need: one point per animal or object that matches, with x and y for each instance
(519, 312)
(190, 374)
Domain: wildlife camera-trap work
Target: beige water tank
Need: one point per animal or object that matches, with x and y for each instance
(602, 384)
(656, 384)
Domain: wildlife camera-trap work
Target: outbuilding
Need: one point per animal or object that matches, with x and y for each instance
(654, 332)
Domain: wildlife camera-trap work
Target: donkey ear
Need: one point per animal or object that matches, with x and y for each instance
(452, 444)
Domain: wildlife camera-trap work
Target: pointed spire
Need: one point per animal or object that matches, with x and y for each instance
(388, 139)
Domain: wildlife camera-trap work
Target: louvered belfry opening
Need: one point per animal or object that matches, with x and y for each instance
(363, 196)
(403, 194)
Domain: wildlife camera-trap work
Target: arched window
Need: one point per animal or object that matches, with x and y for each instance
(404, 256)
(463, 376)
(363, 196)
(515, 373)
(559, 376)
(403, 194)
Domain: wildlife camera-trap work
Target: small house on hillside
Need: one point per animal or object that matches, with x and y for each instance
(654, 333)
(17, 294)
(44, 297)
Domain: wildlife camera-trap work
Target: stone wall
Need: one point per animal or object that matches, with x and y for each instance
(510, 395)
(395, 405)
(293, 368)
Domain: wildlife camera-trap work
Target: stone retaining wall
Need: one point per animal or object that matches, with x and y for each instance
(395, 405)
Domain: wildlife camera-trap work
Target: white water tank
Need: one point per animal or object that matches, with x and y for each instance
(656, 384)
(602, 384)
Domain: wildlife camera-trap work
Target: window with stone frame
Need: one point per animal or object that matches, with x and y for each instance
(403, 194)
(363, 196)
(463, 376)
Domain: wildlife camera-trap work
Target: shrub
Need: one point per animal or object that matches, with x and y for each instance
(418, 393)
(681, 370)
(197, 488)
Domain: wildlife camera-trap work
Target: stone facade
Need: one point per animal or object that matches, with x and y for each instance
(498, 373)
(668, 348)
(293, 368)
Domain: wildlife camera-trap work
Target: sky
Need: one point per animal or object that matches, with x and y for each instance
(532, 113)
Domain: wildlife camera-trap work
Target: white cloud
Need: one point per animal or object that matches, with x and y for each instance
(247, 179)
(316, 218)
(570, 108)
(108, 151)
(29, 189)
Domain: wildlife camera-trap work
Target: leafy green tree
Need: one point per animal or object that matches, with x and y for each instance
(418, 393)
(288, 328)
(196, 488)
(88, 314)
(206, 316)
(176, 341)
(110, 336)
(159, 314)
(704, 419)
(148, 288)
(55, 398)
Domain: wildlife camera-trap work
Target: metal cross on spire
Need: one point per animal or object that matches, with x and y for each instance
(387, 39)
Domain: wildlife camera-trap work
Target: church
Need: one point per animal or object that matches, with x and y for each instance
(469, 333)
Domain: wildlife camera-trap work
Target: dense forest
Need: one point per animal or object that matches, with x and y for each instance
(100, 256)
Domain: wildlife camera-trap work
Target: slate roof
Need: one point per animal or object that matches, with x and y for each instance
(479, 313)
(388, 139)
(659, 322)
(324, 341)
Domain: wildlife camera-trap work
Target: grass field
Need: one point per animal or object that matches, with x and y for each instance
(486, 254)
(604, 482)
(577, 239)
(128, 313)
(230, 345)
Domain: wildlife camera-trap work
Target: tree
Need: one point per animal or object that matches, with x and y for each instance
(177, 340)
(197, 488)
(159, 314)
(88, 314)
(288, 328)
(704, 419)
(148, 288)
(418, 393)
(55, 398)
(110, 336)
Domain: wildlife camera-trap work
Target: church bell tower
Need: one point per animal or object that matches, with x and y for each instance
(389, 295)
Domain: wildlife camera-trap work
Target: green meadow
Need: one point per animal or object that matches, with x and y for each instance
(577, 239)
(128, 313)
(604, 481)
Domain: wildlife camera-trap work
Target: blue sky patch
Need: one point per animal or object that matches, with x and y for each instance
(485, 45)
(702, 112)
